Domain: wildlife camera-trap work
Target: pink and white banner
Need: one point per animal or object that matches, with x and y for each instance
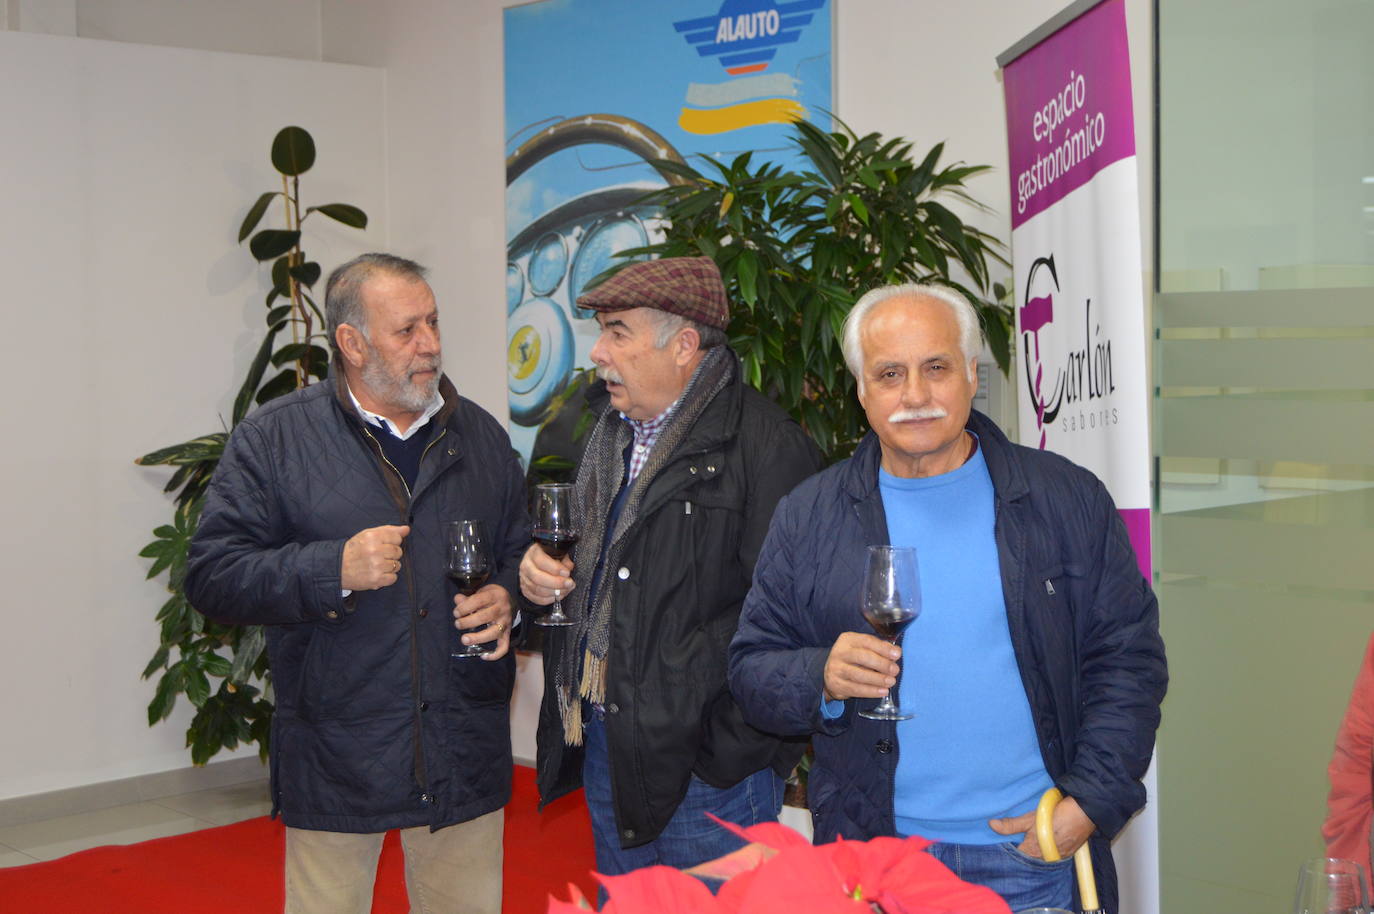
(1075, 243)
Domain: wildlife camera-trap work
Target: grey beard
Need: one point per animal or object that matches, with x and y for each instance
(401, 393)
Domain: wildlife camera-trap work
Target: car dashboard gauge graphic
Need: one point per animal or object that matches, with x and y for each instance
(551, 260)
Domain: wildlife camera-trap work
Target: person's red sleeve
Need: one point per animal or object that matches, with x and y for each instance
(1350, 805)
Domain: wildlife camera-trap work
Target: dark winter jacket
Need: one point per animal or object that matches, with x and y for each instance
(375, 726)
(1084, 627)
(677, 594)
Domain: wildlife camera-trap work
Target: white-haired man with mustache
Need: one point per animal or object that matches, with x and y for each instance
(1036, 660)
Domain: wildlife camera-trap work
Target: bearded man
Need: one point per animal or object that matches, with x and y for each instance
(325, 523)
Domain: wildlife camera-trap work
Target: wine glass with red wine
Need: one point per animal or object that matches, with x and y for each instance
(556, 529)
(891, 599)
(469, 565)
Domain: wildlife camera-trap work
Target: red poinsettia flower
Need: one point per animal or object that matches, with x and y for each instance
(657, 890)
(780, 872)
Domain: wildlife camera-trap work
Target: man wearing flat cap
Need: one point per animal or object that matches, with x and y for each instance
(677, 484)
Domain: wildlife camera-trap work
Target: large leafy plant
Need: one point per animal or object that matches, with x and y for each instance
(797, 248)
(221, 669)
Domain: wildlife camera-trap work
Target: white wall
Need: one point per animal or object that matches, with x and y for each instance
(445, 163)
(131, 314)
(282, 28)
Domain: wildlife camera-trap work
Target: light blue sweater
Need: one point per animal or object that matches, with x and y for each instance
(970, 753)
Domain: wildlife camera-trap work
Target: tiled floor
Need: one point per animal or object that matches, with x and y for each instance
(49, 839)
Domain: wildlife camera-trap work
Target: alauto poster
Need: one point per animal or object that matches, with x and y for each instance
(1076, 257)
(595, 91)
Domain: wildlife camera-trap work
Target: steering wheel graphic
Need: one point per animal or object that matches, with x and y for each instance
(552, 258)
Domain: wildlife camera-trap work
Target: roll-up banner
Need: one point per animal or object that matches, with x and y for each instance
(1075, 244)
(1080, 316)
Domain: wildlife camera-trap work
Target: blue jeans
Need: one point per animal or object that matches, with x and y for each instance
(689, 838)
(1024, 882)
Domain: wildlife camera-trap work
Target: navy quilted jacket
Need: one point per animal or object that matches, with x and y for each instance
(375, 726)
(1084, 627)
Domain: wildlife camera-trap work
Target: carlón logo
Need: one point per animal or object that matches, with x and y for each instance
(1069, 383)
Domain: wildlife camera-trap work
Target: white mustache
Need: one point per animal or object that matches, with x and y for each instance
(914, 415)
(609, 374)
(426, 365)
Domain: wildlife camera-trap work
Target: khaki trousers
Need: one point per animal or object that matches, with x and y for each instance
(455, 870)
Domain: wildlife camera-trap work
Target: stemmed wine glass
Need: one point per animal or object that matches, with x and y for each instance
(891, 599)
(469, 565)
(556, 529)
(1329, 885)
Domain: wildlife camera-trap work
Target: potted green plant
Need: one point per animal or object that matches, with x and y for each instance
(222, 670)
(798, 247)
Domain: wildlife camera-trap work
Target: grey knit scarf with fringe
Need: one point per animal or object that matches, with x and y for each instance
(582, 674)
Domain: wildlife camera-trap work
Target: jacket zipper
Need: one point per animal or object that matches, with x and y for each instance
(421, 772)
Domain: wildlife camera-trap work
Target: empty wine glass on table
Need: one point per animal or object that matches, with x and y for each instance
(891, 599)
(1329, 885)
(556, 529)
(469, 565)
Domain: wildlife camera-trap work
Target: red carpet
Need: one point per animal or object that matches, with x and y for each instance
(237, 869)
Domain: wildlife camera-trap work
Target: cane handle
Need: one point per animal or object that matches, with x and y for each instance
(1049, 848)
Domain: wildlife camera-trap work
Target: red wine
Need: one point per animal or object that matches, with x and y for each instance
(888, 621)
(556, 543)
(469, 582)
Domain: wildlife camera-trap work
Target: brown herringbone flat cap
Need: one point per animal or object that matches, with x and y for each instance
(687, 286)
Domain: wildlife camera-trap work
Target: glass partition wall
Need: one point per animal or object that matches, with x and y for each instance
(1264, 430)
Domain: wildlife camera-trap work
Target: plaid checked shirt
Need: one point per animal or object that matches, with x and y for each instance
(646, 433)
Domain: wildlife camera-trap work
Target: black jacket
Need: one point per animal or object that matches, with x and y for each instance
(678, 591)
(375, 726)
(1084, 627)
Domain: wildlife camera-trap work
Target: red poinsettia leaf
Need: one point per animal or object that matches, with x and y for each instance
(576, 902)
(898, 875)
(730, 898)
(799, 880)
(657, 890)
(770, 834)
(732, 864)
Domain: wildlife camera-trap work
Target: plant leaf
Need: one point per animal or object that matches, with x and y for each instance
(270, 243)
(158, 662)
(250, 648)
(215, 665)
(281, 276)
(255, 371)
(293, 152)
(307, 274)
(163, 699)
(282, 384)
(341, 212)
(255, 213)
(277, 316)
(289, 353)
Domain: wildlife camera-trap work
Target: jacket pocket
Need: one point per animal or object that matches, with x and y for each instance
(1022, 860)
(476, 682)
(314, 675)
